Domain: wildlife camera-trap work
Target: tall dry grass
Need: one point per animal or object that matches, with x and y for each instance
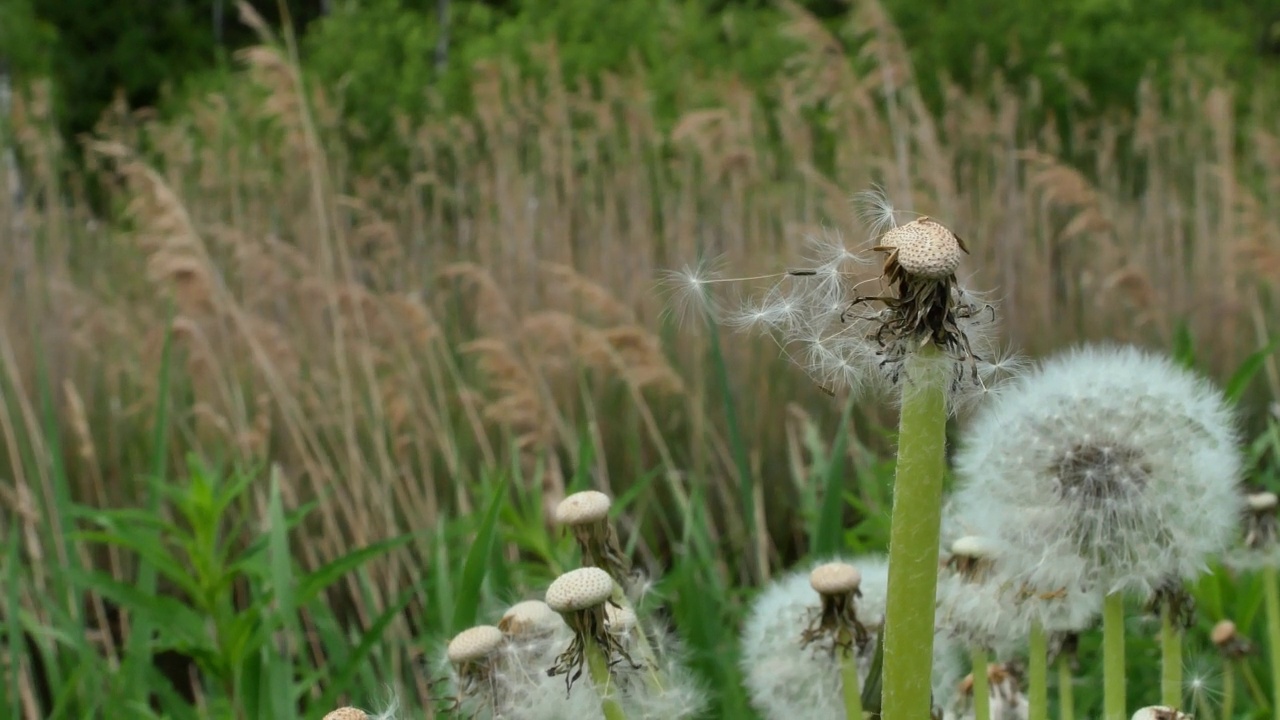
(384, 340)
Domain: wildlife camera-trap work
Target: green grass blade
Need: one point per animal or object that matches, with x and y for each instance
(138, 658)
(829, 534)
(467, 599)
(355, 662)
(13, 625)
(281, 679)
(1252, 365)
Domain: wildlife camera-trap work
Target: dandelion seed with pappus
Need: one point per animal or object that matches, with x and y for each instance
(1119, 459)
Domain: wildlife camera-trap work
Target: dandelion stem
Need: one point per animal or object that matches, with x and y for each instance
(981, 684)
(1066, 690)
(1228, 687)
(1171, 659)
(852, 693)
(1255, 689)
(913, 541)
(1206, 712)
(598, 666)
(1272, 588)
(1113, 678)
(1038, 674)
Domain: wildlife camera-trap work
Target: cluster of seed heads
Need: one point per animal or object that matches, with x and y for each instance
(533, 664)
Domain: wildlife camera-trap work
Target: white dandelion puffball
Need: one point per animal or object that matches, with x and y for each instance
(787, 680)
(1113, 456)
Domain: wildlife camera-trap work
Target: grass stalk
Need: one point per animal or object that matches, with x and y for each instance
(1066, 691)
(1038, 674)
(598, 666)
(981, 684)
(1271, 589)
(913, 542)
(1113, 677)
(1170, 660)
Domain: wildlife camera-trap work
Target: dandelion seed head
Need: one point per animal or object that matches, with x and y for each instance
(346, 713)
(1159, 712)
(580, 589)
(924, 248)
(474, 644)
(1110, 455)
(787, 678)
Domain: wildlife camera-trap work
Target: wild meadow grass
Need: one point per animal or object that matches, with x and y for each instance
(275, 431)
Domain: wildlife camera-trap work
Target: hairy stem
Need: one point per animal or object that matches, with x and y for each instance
(981, 684)
(1038, 674)
(913, 541)
(1113, 658)
(598, 666)
(1272, 588)
(1171, 659)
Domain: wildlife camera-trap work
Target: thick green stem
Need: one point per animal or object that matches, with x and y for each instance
(913, 541)
(1272, 590)
(598, 666)
(1066, 690)
(981, 684)
(1171, 661)
(1038, 674)
(852, 692)
(1113, 678)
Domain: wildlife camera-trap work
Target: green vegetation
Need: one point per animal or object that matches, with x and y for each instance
(289, 407)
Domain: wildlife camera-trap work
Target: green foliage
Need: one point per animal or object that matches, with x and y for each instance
(26, 41)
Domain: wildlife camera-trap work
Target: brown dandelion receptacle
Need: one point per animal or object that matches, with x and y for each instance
(972, 556)
(836, 624)
(925, 304)
(580, 596)
(1230, 643)
(924, 248)
(473, 653)
(347, 713)
(1261, 523)
(586, 515)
